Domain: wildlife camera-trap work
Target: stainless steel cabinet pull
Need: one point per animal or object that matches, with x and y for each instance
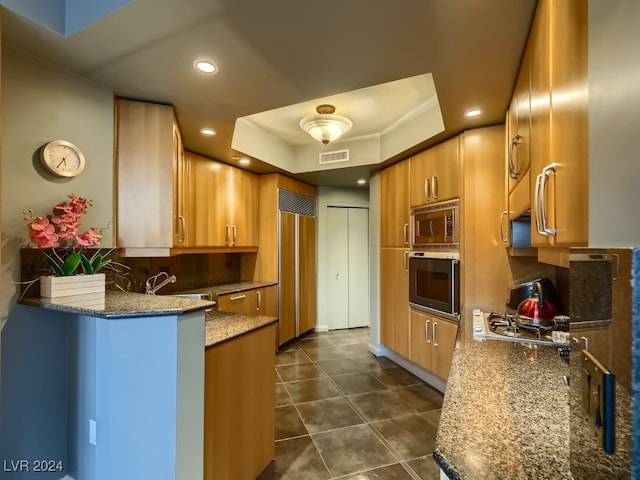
(183, 227)
(405, 261)
(513, 172)
(228, 234)
(434, 186)
(405, 233)
(616, 269)
(536, 207)
(427, 189)
(259, 294)
(239, 297)
(502, 236)
(546, 172)
(426, 330)
(586, 343)
(235, 234)
(433, 334)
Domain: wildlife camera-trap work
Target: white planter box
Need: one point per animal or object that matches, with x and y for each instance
(55, 287)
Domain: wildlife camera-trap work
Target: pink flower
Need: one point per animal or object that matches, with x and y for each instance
(42, 233)
(90, 238)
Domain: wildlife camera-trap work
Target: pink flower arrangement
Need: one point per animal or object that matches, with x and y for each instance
(61, 230)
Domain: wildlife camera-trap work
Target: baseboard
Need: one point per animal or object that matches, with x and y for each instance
(322, 328)
(424, 375)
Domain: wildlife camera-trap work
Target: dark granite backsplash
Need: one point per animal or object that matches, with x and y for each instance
(590, 290)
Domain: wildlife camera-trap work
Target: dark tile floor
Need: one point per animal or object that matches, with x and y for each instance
(343, 413)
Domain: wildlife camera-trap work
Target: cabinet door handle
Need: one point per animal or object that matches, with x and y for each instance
(433, 334)
(405, 261)
(228, 234)
(426, 330)
(235, 234)
(586, 343)
(239, 297)
(616, 269)
(546, 172)
(259, 294)
(502, 235)
(427, 189)
(405, 233)
(183, 227)
(434, 186)
(536, 207)
(513, 172)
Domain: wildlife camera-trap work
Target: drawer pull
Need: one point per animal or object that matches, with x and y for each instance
(239, 297)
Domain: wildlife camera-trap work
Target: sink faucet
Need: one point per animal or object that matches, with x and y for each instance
(151, 285)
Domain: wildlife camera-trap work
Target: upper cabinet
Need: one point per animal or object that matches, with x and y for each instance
(151, 180)
(435, 173)
(394, 205)
(223, 202)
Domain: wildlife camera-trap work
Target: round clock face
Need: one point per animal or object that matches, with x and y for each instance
(62, 158)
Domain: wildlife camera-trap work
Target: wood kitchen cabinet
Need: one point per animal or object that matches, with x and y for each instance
(152, 180)
(559, 124)
(394, 300)
(432, 342)
(435, 173)
(239, 412)
(394, 205)
(256, 301)
(223, 202)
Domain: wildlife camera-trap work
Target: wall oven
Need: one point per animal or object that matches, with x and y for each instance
(434, 283)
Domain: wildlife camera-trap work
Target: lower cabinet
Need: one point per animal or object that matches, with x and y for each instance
(239, 412)
(257, 301)
(432, 342)
(394, 300)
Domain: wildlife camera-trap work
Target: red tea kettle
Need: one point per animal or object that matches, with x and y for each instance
(536, 310)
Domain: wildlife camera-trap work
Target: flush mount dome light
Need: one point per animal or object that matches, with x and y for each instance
(205, 66)
(325, 127)
(472, 113)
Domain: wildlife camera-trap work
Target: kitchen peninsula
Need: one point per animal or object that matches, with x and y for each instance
(137, 383)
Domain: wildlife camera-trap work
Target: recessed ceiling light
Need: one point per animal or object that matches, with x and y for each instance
(207, 131)
(361, 181)
(244, 161)
(472, 113)
(205, 66)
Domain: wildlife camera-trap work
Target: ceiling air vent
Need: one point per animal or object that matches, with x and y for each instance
(334, 157)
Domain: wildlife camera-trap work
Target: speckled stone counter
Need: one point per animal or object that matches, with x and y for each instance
(222, 326)
(118, 304)
(505, 413)
(216, 290)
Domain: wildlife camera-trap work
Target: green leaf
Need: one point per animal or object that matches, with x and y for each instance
(86, 264)
(54, 265)
(71, 263)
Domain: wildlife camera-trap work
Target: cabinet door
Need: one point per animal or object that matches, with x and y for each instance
(266, 301)
(287, 267)
(307, 272)
(421, 169)
(243, 191)
(518, 153)
(394, 205)
(180, 190)
(208, 202)
(145, 175)
(445, 177)
(394, 299)
(443, 336)
(421, 341)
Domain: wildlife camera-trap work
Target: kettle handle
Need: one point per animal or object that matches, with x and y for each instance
(537, 289)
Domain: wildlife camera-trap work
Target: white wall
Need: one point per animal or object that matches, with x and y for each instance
(337, 197)
(42, 103)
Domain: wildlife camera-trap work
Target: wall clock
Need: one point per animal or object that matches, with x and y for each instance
(62, 158)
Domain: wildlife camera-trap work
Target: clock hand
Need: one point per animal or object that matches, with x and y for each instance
(64, 160)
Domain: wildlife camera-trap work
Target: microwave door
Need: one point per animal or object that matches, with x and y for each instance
(431, 228)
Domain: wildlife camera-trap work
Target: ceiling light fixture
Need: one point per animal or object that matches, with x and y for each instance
(207, 131)
(361, 181)
(244, 161)
(472, 113)
(326, 127)
(205, 66)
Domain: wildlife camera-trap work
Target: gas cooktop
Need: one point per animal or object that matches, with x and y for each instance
(498, 326)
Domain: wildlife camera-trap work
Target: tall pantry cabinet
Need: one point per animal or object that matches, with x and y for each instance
(287, 253)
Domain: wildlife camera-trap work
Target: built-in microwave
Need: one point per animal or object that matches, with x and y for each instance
(436, 225)
(434, 283)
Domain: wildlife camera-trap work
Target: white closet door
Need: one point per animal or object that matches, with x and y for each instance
(358, 267)
(338, 268)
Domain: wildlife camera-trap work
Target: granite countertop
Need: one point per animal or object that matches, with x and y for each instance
(223, 326)
(115, 304)
(505, 412)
